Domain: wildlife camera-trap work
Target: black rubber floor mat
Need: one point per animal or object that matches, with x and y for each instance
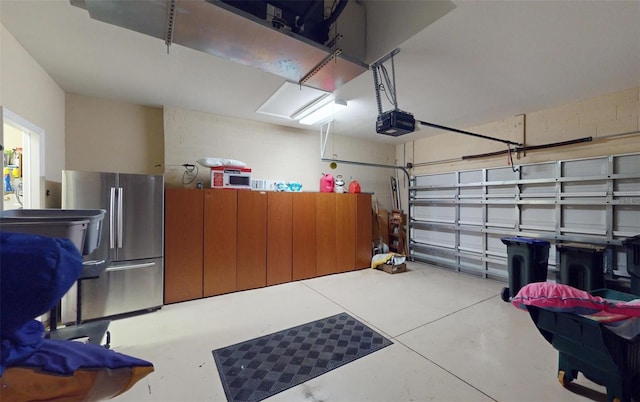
(262, 367)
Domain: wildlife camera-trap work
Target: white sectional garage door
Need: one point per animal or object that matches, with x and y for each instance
(458, 218)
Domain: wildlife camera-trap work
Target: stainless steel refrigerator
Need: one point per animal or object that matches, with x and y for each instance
(131, 242)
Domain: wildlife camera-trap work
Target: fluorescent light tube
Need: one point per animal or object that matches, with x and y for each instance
(324, 113)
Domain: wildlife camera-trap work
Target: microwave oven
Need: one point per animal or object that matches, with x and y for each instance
(231, 177)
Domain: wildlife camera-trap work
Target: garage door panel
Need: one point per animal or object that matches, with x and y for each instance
(590, 200)
(626, 221)
(538, 171)
(471, 215)
(538, 217)
(626, 164)
(501, 215)
(585, 219)
(471, 242)
(585, 167)
(435, 213)
(442, 238)
(501, 174)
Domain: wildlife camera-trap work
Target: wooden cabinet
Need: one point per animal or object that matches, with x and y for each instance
(219, 240)
(220, 249)
(326, 233)
(363, 231)
(252, 239)
(183, 243)
(304, 236)
(345, 237)
(279, 238)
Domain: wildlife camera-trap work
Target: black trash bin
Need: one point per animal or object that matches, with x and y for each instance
(581, 265)
(528, 260)
(632, 245)
(593, 348)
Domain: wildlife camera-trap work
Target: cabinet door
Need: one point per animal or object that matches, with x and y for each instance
(304, 235)
(252, 239)
(220, 232)
(326, 233)
(182, 245)
(279, 238)
(345, 232)
(363, 231)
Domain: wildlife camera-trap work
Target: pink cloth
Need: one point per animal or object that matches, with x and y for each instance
(564, 298)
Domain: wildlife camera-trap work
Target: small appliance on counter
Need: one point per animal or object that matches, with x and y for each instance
(263, 185)
(231, 177)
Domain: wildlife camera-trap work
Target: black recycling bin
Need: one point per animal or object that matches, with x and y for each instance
(632, 245)
(528, 260)
(593, 348)
(581, 265)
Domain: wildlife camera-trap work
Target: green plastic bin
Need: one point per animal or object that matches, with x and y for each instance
(632, 245)
(527, 262)
(589, 347)
(581, 265)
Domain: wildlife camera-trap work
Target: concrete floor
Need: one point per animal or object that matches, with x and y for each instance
(454, 340)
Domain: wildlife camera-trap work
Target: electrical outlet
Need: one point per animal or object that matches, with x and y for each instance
(273, 12)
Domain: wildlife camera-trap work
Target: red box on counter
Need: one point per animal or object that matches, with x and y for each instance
(231, 177)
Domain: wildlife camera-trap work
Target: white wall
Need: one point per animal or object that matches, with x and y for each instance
(110, 136)
(273, 152)
(391, 23)
(30, 92)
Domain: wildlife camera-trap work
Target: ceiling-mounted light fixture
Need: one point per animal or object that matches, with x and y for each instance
(320, 111)
(290, 99)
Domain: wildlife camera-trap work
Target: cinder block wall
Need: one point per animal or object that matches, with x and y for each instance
(596, 117)
(600, 117)
(273, 152)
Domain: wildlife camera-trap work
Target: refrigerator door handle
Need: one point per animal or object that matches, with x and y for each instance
(120, 215)
(94, 262)
(112, 205)
(128, 267)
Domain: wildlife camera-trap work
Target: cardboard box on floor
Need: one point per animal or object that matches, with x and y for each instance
(393, 269)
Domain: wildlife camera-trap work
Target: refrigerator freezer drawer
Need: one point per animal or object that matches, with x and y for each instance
(122, 288)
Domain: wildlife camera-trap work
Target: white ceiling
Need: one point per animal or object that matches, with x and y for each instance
(481, 62)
